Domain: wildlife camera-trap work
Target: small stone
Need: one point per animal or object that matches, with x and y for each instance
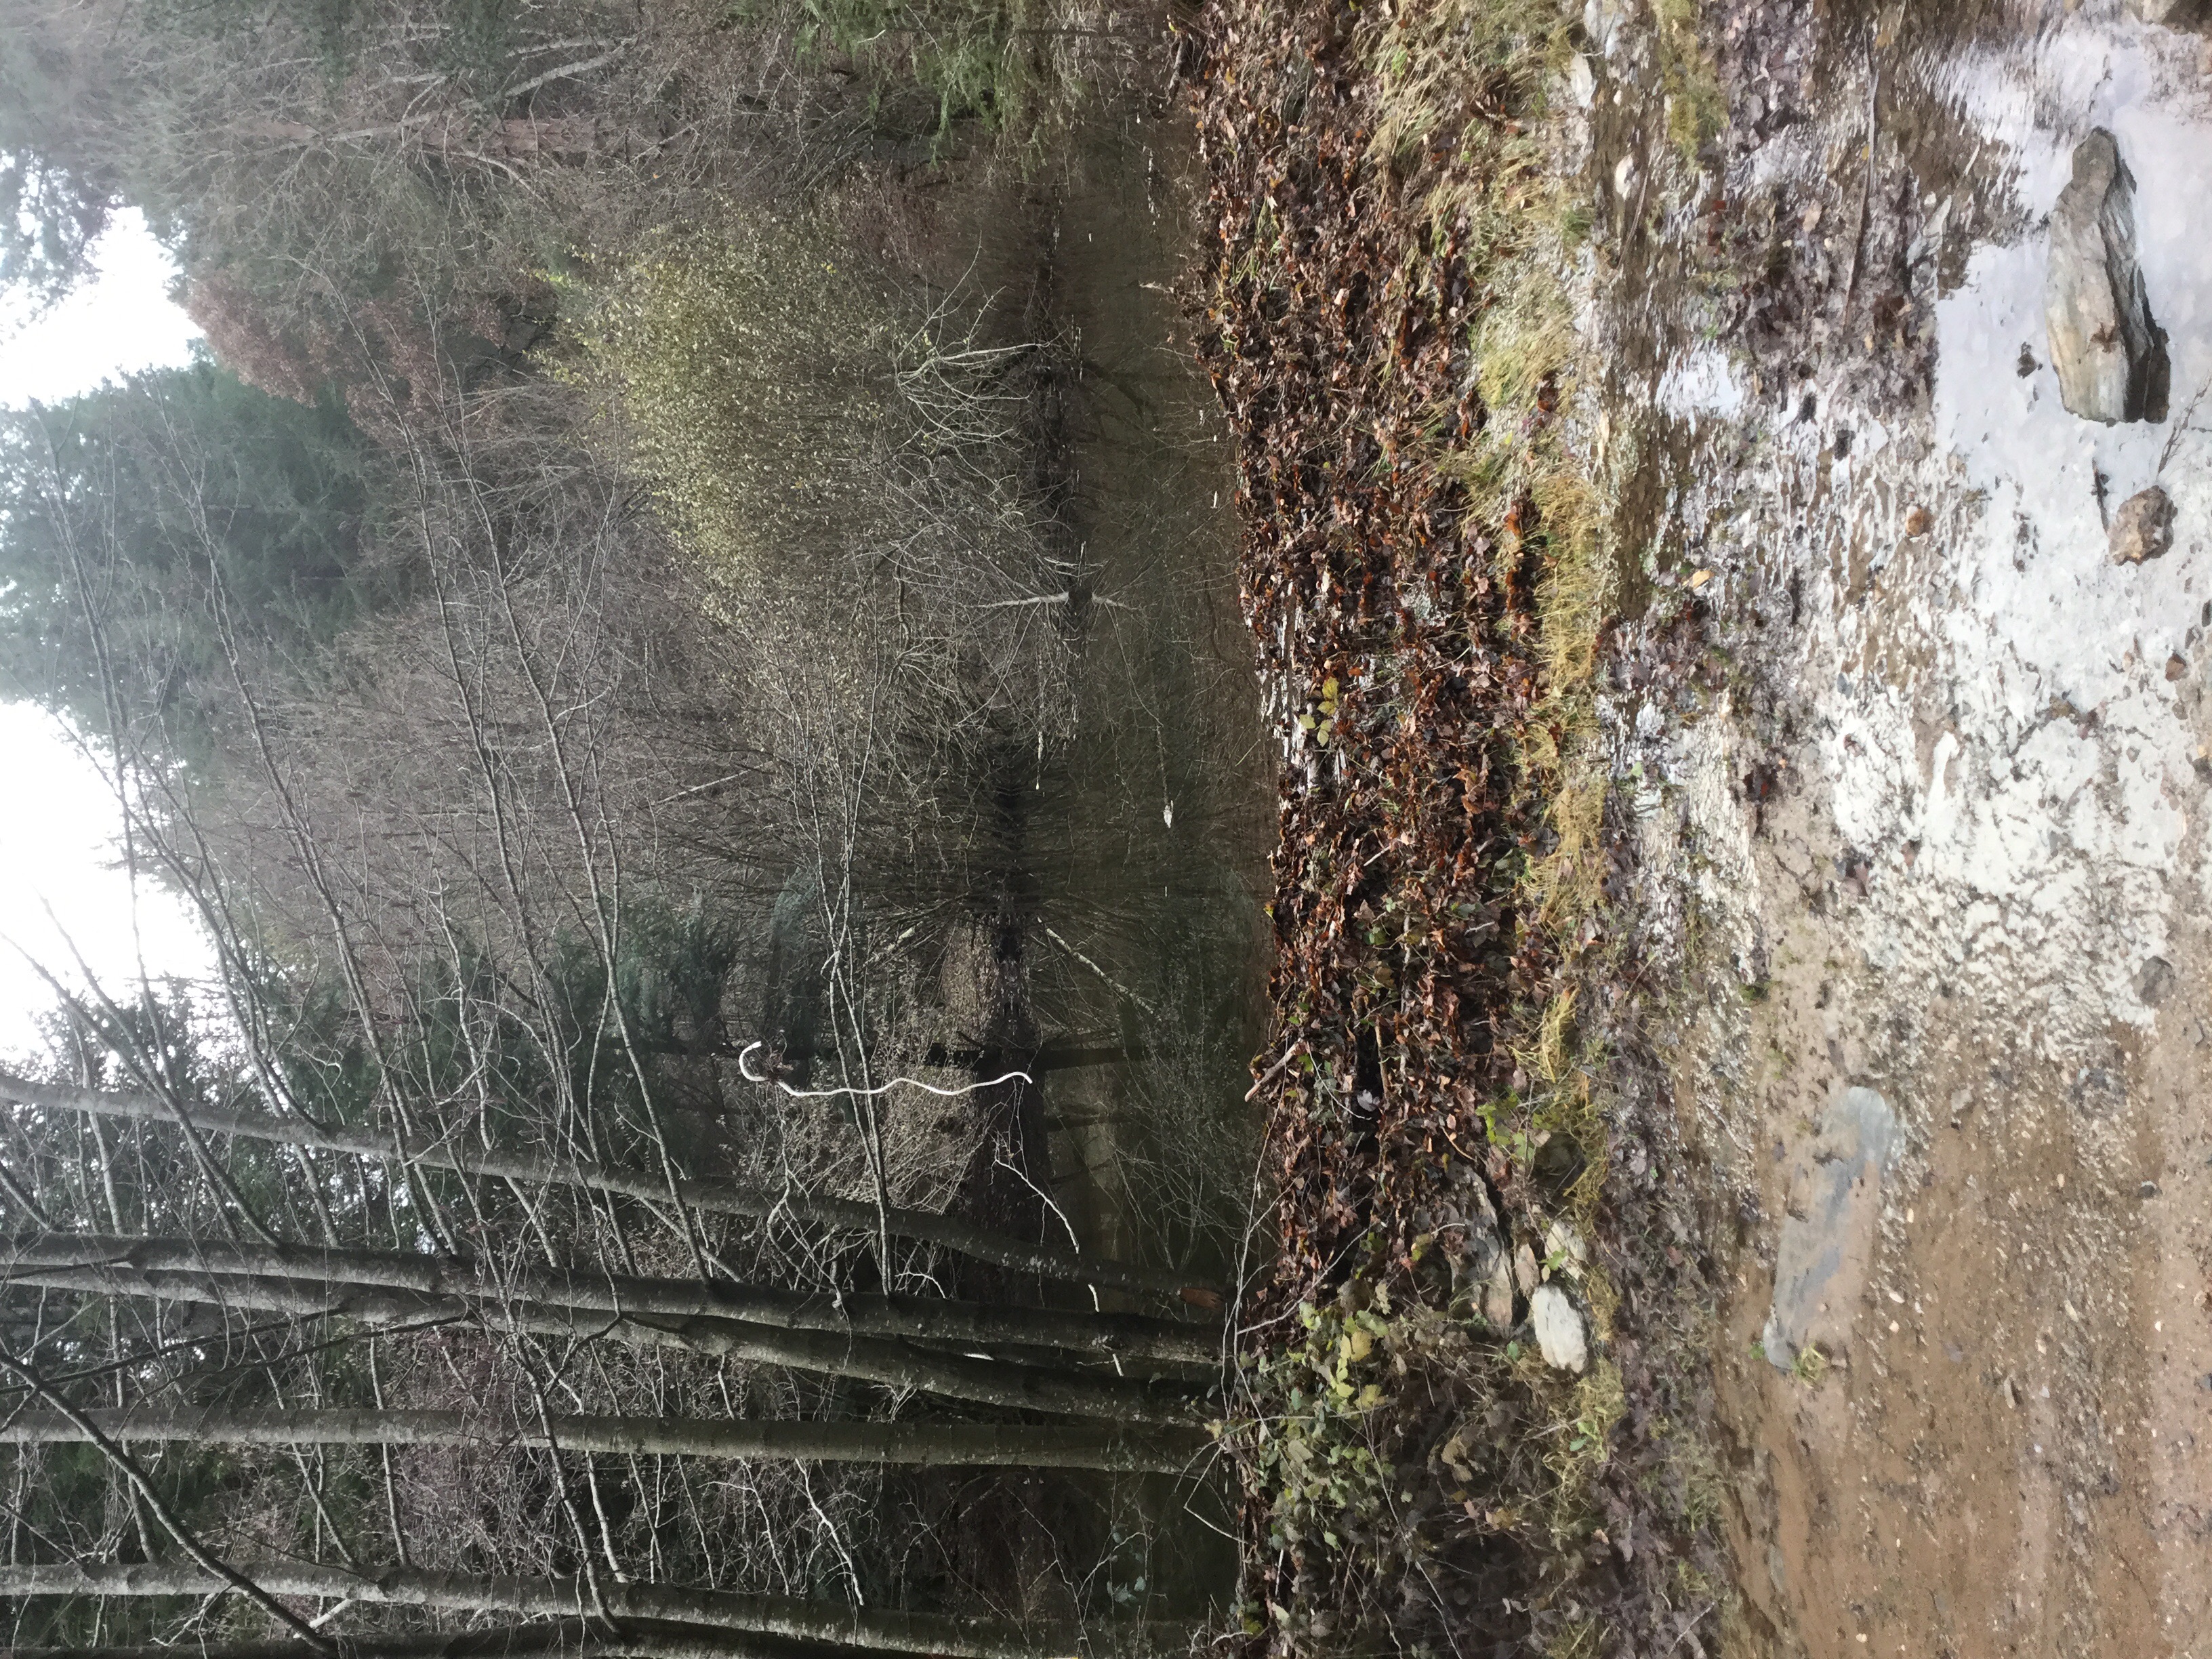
(1919, 521)
(1497, 1296)
(1560, 1333)
(2154, 982)
(2148, 1189)
(1582, 81)
(1564, 1245)
(1624, 177)
(1524, 1269)
(2177, 666)
(2143, 527)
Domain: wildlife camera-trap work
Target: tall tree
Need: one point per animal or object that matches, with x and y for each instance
(139, 519)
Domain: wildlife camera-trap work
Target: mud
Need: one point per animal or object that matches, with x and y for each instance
(1915, 778)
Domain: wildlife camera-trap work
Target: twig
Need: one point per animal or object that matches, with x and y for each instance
(1276, 1070)
(1111, 982)
(2181, 426)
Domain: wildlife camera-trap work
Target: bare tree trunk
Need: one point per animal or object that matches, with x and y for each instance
(880, 1629)
(919, 1318)
(889, 1361)
(715, 1197)
(924, 1444)
(571, 1639)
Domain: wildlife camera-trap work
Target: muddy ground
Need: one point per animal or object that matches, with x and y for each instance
(1915, 777)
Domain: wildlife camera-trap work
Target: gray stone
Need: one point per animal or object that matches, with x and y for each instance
(2174, 13)
(1487, 1268)
(1602, 20)
(2154, 982)
(1498, 1295)
(1524, 1268)
(1828, 1234)
(1560, 1337)
(2143, 527)
(2108, 350)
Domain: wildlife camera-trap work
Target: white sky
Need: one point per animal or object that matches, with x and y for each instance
(60, 824)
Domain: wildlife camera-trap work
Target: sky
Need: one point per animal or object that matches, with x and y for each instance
(62, 880)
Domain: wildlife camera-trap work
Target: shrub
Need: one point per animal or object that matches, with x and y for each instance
(752, 378)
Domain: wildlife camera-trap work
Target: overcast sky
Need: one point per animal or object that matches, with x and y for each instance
(59, 822)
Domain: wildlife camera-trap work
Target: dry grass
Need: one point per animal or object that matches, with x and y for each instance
(1470, 73)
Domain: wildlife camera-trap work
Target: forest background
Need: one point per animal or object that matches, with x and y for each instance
(678, 644)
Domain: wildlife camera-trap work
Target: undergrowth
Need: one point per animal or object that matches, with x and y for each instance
(962, 54)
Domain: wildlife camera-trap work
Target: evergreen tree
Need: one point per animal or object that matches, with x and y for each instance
(144, 520)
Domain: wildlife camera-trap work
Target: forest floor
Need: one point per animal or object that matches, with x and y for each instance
(1471, 1398)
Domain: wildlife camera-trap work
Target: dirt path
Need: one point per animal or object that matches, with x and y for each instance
(1920, 795)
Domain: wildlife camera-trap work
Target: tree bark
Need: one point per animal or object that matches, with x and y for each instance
(889, 1361)
(715, 1197)
(571, 1639)
(879, 1629)
(927, 1319)
(923, 1444)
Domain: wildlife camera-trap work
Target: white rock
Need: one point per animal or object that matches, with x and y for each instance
(1560, 1333)
(1564, 1245)
(1582, 81)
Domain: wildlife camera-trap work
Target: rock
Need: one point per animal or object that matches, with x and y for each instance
(2109, 352)
(1489, 1270)
(2174, 13)
(1497, 1296)
(1828, 1234)
(1602, 20)
(1524, 1269)
(2143, 527)
(1582, 81)
(1559, 1334)
(2177, 668)
(2154, 981)
(1564, 1245)
(1919, 521)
